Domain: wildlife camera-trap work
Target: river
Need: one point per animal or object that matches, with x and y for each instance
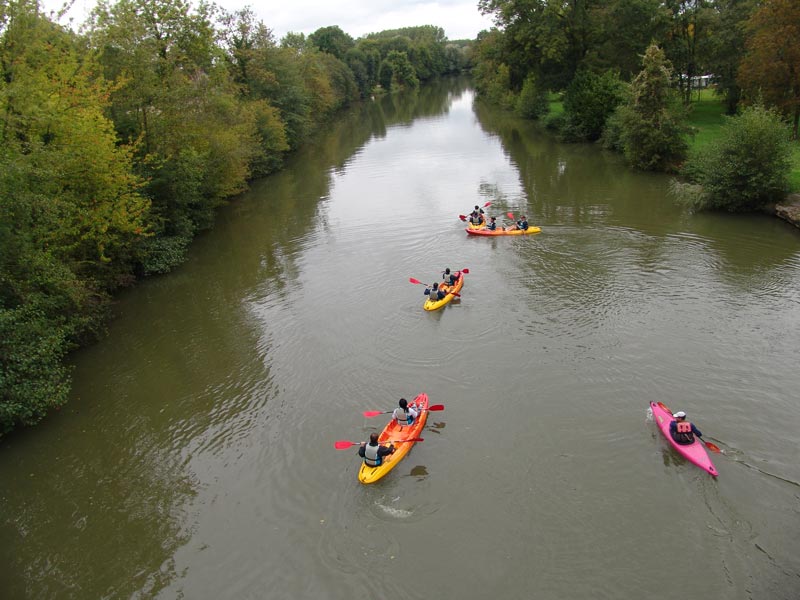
(195, 458)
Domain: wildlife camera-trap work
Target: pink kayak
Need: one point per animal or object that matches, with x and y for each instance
(695, 452)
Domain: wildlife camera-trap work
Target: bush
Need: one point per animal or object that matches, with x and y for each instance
(32, 376)
(746, 168)
(588, 102)
(532, 102)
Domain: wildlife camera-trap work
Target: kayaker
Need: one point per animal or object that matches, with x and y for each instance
(522, 223)
(450, 278)
(434, 292)
(681, 430)
(492, 224)
(405, 414)
(373, 452)
(476, 218)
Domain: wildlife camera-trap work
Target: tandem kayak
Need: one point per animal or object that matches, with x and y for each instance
(695, 452)
(396, 434)
(499, 231)
(437, 304)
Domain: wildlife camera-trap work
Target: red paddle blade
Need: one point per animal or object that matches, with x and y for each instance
(465, 271)
(342, 444)
(712, 447)
(510, 215)
(436, 407)
(487, 204)
(412, 280)
(373, 413)
(462, 217)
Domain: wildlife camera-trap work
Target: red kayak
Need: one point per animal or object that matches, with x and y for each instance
(695, 452)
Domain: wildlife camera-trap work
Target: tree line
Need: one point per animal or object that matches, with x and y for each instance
(119, 142)
(627, 70)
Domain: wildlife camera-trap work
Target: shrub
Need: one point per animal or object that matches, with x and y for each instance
(588, 102)
(746, 168)
(532, 102)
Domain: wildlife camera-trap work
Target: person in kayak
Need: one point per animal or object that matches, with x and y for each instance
(373, 452)
(522, 223)
(405, 414)
(476, 218)
(434, 292)
(492, 225)
(450, 278)
(681, 430)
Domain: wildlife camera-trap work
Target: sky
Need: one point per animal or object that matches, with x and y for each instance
(460, 19)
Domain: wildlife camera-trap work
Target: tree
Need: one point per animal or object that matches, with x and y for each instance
(532, 102)
(332, 40)
(651, 126)
(771, 66)
(397, 72)
(727, 49)
(687, 43)
(588, 102)
(746, 168)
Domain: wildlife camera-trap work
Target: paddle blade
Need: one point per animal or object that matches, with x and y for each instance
(712, 447)
(374, 413)
(510, 215)
(462, 217)
(343, 444)
(412, 280)
(465, 271)
(487, 204)
(436, 407)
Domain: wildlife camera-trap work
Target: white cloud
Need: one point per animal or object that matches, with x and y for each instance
(460, 19)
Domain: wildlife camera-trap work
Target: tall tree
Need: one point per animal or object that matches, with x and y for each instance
(652, 127)
(687, 44)
(728, 48)
(771, 66)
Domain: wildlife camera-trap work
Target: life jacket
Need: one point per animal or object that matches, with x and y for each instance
(403, 417)
(683, 433)
(492, 225)
(523, 225)
(475, 218)
(371, 458)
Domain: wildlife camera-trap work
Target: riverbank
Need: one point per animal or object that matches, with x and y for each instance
(789, 210)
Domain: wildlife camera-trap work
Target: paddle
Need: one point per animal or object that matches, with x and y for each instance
(709, 445)
(375, 413)
(344, 444)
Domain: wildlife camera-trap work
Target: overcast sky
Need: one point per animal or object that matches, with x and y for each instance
(460, 19)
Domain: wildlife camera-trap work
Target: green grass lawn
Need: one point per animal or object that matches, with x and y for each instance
(707, 117)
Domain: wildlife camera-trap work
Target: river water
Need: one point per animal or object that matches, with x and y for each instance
(195, 459)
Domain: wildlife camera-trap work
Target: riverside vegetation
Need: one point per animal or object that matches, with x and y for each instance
(120, 142)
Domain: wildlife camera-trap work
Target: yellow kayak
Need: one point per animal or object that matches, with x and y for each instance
(499, 231)
(396, 434)
(437, 304)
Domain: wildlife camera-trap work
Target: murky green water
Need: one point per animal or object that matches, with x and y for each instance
(196, 459)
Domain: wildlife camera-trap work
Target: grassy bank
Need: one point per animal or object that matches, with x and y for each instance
(707, 117)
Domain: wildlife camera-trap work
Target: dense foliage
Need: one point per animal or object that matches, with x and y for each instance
(746, 48)
(117, 146)
(746, 169)
(650, 125)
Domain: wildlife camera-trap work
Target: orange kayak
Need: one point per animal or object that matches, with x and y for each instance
(396, 434)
